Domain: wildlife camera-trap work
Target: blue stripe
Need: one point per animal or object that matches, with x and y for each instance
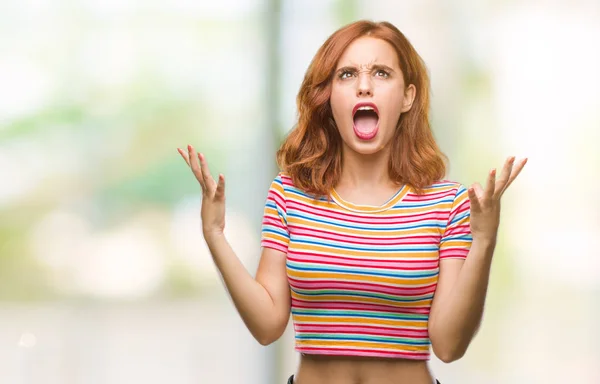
(373, 249)
(366, 315)
(362, 338)
(356, 294)
(354, 271)
(397, 227)
(266, 229)
(436, 202)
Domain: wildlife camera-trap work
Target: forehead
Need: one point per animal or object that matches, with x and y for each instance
(369, 50)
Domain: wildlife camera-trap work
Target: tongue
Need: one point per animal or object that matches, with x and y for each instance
(365, 124)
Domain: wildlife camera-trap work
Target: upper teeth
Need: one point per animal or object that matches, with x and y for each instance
(366, 109)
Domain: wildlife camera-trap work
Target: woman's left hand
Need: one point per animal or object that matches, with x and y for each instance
(485, 204)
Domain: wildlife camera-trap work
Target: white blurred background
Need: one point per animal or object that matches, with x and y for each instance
(104, 276)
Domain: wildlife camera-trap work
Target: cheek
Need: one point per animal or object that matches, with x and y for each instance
(394, 103)
(338, 104)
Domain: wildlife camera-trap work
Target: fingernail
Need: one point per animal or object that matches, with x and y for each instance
(189, 147)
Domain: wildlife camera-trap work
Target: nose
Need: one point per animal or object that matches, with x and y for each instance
(364, 87)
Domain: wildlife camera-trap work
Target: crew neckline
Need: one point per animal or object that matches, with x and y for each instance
(365, 208)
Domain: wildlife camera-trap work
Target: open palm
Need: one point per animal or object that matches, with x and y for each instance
(213, 192)
(485, 204)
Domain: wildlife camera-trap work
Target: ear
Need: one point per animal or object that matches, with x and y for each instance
(409, 97)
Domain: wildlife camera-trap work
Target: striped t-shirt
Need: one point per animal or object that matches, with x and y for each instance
(362, 278)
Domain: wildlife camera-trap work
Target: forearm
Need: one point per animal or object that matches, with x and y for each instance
(251, 299)
(459, 315)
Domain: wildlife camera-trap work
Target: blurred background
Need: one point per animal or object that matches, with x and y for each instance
(104, 275)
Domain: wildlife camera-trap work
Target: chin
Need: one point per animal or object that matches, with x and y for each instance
(366, 147)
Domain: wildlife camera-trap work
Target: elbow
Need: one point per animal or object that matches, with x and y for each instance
(448, 351)
(266, 340)
(269, 335)
(449, 355)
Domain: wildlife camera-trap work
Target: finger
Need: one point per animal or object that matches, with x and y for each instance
(184, 155)
(478, 190)
(473, 199)
(220, 193)
(209, 182)
(491, 184)
(196, 167)
(515, 172)
(504, 177)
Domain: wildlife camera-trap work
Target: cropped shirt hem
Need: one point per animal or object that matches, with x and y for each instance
(364, 353)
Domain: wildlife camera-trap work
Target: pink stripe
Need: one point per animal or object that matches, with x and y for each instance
(377, 240)
(453, 252)
(396, 265)
(364, 352)
(362, 286)
(413, 261)
(429, 196)
(297, 303)
(267, 243)
(273, 221)
(275, 195)
(361, 331)
(365, 219)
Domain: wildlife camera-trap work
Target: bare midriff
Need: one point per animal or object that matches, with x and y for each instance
(323, 369)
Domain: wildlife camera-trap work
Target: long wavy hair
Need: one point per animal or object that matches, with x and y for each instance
(311, 154)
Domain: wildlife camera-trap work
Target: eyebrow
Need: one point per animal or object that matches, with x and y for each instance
(371, 67)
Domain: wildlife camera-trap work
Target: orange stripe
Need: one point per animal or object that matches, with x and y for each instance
(366, 300)
(362, 344)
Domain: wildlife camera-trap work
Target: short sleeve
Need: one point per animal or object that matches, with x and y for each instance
(456, 239)
(274, 225)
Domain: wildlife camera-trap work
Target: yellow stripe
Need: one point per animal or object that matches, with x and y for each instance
(275, 237)
(371, 321)
(347, 277)
(455, 244)
(270, 211)
(313, 203)
(330, 251)
(362, 300)
(406, 211)
(277, 187)
(399, 212)
(362, 344)
(363, 232)
(370, 208)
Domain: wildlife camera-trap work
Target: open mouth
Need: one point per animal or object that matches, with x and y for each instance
(366, 120)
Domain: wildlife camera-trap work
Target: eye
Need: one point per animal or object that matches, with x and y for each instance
(382, 73)
(346, 74)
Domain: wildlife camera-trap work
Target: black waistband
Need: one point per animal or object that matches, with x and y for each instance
(291, 380)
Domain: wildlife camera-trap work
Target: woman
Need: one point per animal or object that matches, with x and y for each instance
(374, 254)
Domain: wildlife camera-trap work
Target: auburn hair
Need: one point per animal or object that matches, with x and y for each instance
(311, 154)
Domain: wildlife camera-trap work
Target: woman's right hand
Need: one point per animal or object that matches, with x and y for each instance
(213, 193)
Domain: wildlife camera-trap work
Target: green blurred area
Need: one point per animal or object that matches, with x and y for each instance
(118, 140)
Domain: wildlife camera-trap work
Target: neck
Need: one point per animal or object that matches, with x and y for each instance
(365, 171)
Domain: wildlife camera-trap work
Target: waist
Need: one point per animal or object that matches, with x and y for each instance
(327, 369)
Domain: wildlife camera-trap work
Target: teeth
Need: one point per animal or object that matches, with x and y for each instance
(366, 109)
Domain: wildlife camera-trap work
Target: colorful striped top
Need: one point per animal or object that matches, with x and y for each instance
(362, 278)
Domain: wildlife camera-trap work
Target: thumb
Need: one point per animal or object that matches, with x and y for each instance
(220, 193)
(473, 200)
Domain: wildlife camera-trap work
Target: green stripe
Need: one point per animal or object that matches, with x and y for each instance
(351, 312)
(353, 293)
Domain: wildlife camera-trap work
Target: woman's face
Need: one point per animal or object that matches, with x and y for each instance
(368, 95)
